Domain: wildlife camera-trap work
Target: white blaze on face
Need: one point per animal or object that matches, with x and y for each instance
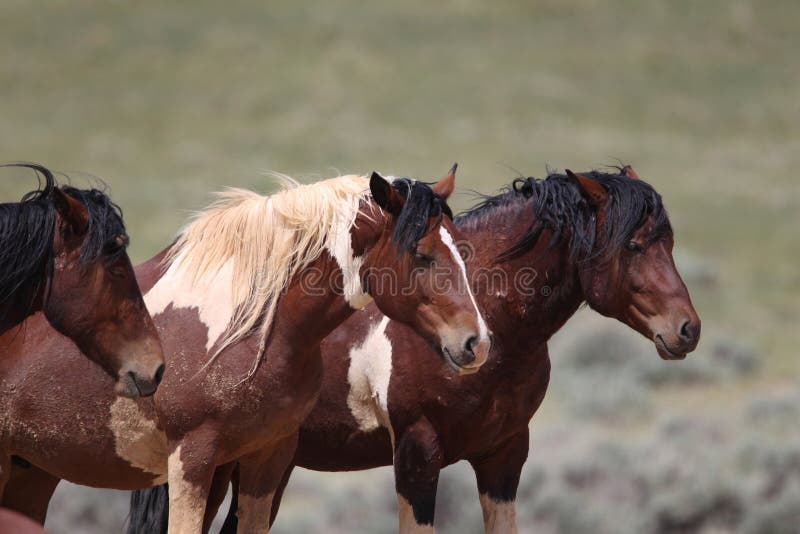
(212, 297)
(137, 440)
(340, 246)
(369, 374)
(447, 239)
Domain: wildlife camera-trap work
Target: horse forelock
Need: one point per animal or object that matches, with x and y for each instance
(421, 203)
(106, 225)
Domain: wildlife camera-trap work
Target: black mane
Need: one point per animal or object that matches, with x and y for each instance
(26, 240)
(559, 207)
(27, 230)
(421, 203)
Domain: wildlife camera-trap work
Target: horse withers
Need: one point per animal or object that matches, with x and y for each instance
(63, 252)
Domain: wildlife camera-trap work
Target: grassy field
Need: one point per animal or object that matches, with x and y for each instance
(167, 102)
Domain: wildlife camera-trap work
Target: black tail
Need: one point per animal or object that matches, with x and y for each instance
(149, 511)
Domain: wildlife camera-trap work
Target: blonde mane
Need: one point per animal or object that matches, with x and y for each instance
(265, 241)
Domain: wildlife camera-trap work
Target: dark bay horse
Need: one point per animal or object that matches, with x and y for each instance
(63, 252)
(242, 301)
(542, 248)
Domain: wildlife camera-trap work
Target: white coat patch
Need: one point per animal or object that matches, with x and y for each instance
(340, 246)
(368, 375)
(212, 298)
(137, 440)
(187, 502)
(498, 516)
(408, 523)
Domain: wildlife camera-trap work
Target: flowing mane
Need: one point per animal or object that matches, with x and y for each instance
(558, 206)
(266, 240)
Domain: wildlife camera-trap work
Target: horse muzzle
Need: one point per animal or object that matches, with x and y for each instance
(469, 355)
(135, 382)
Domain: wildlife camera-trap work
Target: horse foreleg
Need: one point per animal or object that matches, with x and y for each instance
(5, 472)
(276, 500)
(229, 527)
(190, 469)
(219, 488)
(28, 491)
(498, 478)
(417, 462)
(260, 474)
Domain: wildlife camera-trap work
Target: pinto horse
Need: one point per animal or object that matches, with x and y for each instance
(63, 252)
(242, 301)
(542, 248)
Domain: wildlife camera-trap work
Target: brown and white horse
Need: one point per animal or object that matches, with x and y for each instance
(242, 301)
(542, 248)
(63, 253)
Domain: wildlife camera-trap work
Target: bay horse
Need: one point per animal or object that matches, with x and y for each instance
(63, 253)
(242, 301)
(542, 248)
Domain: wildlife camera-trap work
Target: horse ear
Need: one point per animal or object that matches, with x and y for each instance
(445, 187)
(594, 193)
(628, 171)
(385, 194)
(72, 212)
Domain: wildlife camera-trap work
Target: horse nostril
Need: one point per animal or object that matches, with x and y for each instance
(159, 373)
(686, 331)
(471, 341)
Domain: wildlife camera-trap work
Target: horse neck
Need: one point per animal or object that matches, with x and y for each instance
(304, 315)
(540, 289)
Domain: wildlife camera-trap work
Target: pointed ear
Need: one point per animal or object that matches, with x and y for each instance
(594, 193)
(628, 171)
(72, 212)
(445, 187)
(385, 195)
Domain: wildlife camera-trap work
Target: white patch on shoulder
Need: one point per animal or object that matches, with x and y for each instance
(137, 440)
(212, 297)
(369, 373)
(340, 246)
(447, 239)
(498, 516)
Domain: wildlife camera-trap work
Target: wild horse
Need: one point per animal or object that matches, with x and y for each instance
(541, 249)
(242, 301)
(63, 252)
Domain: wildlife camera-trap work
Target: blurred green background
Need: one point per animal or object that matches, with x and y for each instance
(167, 102)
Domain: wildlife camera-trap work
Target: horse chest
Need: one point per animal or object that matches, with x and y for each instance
(137, 438)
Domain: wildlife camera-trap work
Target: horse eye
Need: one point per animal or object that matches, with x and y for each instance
(423, 258)
(633, 246)
(117, 272)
